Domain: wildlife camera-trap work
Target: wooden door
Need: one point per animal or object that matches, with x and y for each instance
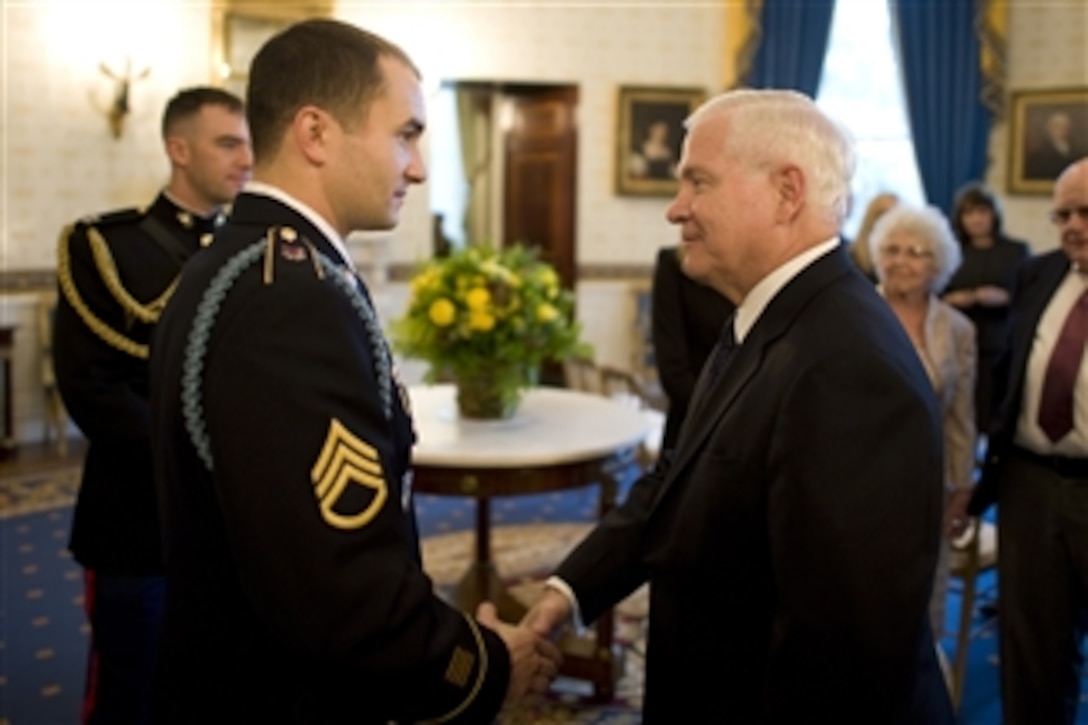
(540, 182)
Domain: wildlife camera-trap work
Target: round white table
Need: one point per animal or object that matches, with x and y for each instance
(552, 426)
(559, 439)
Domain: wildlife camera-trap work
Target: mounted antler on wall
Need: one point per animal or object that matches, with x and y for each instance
(119, 107)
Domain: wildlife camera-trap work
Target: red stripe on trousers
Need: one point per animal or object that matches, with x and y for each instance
(90, 690)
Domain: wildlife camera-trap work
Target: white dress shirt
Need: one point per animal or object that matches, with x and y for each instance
(1028, 433)
(262, 189)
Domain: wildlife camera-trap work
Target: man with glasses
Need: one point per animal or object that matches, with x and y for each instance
(1037, 472)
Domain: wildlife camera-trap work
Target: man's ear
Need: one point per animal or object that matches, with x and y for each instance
(177, 149)
(312, 130)
(789, 182)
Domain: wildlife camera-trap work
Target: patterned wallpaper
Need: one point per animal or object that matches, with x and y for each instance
(61, 163)
(1048, 48)
(596, 45)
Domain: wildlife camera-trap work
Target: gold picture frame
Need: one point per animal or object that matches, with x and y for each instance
(1048, 130)
(649, 135)
(240, 28)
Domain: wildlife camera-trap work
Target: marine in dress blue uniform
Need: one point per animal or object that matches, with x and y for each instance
(115, 273)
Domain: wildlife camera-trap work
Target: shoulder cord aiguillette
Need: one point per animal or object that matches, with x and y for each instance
(107, 270)
(196, 348)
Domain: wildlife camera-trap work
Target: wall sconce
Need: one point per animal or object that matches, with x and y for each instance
(119, 106)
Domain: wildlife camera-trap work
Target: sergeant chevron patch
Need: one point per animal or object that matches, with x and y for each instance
(345, 460)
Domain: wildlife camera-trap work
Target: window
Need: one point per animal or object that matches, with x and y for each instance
(862, 87)
(446, 178)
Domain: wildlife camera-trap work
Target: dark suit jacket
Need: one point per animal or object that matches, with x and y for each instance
(791, 541)
(295, 591)
(1036, 281)
(687, 322)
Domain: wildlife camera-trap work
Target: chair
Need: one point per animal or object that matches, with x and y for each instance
(55, 419)
(625, 387)
(620, 384)
(580, 373)
(643, 356)
(972, 554)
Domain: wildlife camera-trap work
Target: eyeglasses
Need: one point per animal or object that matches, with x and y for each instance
(1063, 215)
(914, 251)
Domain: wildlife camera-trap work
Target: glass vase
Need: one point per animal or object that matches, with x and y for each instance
(488, 394)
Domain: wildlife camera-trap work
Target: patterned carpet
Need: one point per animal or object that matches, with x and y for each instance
(30, 493)
(43, 635)
(43, 632)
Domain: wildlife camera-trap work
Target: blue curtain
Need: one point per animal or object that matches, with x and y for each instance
(792, 43)
(939, 52)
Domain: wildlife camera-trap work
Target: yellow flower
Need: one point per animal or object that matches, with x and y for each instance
(546, 312)
(495, 270)
(478, 298)
(425, 280)
(481, 306)
(442, 312)
(480, 320)
(548, 276)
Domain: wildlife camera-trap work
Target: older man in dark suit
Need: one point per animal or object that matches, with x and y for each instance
(791, 540)
(1037, 471)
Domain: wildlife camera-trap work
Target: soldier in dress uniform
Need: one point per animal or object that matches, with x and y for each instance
(295, 588)
(115, 273)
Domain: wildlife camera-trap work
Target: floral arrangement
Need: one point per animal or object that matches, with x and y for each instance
(488, 315)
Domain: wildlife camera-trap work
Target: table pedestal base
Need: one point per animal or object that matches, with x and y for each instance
(481, 583)
(585, 659)
(589, 658)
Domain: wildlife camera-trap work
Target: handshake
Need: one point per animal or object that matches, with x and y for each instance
(534, 658)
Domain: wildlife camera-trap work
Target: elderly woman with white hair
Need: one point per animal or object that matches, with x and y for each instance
(916, 254)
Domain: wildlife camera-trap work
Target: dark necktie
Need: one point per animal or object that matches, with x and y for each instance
(727, 343)
(1056, 402)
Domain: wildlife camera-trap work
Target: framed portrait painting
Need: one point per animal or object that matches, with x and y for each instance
(650, 131)
(1048, 130)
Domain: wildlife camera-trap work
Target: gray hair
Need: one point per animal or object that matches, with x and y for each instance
(927, 223)
(771, 127)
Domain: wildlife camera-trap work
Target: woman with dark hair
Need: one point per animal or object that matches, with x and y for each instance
(980, 287)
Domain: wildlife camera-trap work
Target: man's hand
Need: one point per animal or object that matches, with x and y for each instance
(549, 614)
(534, 661)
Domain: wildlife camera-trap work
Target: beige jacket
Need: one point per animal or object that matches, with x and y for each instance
(950, 361)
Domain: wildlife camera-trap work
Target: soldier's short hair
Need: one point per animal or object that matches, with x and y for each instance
(187, 103)
(325, 63)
